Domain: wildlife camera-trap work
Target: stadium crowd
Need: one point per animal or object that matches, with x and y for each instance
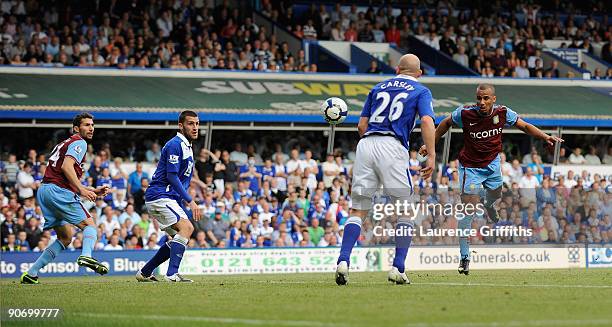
(492, 38)
(289, 199)
(141, 34)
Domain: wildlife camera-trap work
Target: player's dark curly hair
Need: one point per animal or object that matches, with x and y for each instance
(185, 114)
(78, 118)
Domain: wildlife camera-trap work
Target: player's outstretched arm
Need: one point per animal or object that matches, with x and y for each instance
(443, 127)
(441, 130)
(529, 129)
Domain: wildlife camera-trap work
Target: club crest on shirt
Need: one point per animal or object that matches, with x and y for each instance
(496, 120)
(173, 159)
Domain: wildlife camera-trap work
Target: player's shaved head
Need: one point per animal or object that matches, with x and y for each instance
(409, 64)
(485, 97)
(486, 86)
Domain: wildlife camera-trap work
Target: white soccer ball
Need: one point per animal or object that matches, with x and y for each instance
(334, 110)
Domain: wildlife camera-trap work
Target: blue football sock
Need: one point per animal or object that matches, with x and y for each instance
(352, 230)
(47, 256)
(464, 242)
(402, 244)
(90, 236)
(177, 248)
(163, 253)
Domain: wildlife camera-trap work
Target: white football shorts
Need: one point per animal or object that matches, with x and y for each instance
(380, 161)
(166, 211)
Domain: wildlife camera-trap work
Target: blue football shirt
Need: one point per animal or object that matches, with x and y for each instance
(177, 157)
(392, 107)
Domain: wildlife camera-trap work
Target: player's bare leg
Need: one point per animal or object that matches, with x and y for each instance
(464, 242)
(352, 230)
(493, 197)
(184, 229)
(90, 237)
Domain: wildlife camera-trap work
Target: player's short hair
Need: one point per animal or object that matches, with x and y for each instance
(486, 86)
(76, 121)
(185, 114)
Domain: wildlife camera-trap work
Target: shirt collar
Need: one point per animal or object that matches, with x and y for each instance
(183, 138)
(407, 77)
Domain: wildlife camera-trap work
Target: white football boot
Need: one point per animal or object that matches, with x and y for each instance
(342, 271)
(397, 277)
(143, 279)
(177, 278)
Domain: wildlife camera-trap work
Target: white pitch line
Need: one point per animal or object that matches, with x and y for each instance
(258, 322)
(441, 284)
(515, 285)
(516, 323)
(220, 320)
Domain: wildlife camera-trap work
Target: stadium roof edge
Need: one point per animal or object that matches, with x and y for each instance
(183, 73)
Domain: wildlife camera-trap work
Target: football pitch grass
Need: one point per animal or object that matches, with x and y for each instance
(484, 298)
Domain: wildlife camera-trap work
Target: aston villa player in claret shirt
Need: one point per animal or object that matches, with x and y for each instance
(479, 160)
(59, 198)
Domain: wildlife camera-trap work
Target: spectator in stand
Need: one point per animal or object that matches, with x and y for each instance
(461, 57)
(378, 33)
(237, 156)
(366, 35)
(25, 182)
(110, 222)
(607, 159)
(522, 71)
(11, 245)
(499, 61)
(393, 35)
(130, 214)
(433, 40)
(135, 179)
(535, 61)
(10, 171)
(553, 69)
(447, 45)
(113, 245)
(576, 157)
(374, 68)
(309, 31)
(154, 154)
(592, 158)
(330, 170)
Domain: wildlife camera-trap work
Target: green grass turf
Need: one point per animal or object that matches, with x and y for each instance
(494, 298)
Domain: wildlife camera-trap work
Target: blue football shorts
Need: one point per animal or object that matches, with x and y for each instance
(473, 179)
(60, 206)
